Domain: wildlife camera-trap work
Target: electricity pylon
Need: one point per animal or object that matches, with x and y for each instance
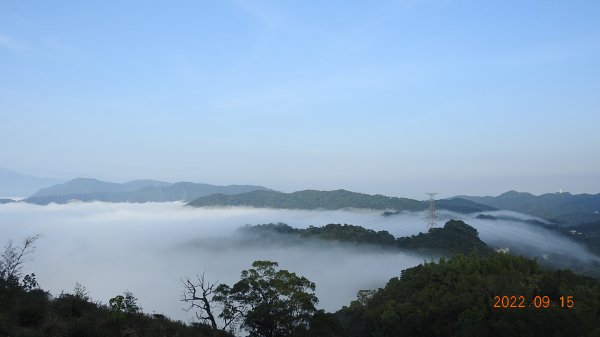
(431, 216)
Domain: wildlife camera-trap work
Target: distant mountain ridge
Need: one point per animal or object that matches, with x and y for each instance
(139, 191)
(561, 208)
(79, 186)
(15, 184)
(331, 200)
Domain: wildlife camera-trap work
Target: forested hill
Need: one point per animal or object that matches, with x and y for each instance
(331, 200)
(562, 208)
(456, 297)
(454, 238)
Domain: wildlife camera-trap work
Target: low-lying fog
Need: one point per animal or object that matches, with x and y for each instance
(148, 248)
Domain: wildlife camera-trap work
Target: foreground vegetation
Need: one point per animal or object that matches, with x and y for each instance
(36, 313)
(456, 297)
(460, 296)
(27, 310)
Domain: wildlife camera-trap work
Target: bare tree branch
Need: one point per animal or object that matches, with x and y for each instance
(13, 257)
(200, 297)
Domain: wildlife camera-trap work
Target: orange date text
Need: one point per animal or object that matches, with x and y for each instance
(537, 302)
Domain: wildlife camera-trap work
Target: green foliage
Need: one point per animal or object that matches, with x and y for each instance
(122, 305)
(349, 233)
(455, 237)
(563, 208)
(455, 298)
(30, 282)
(116, 306)
(26, 310)
(310, 199)
(269, 302)
(131, 306)
(338, 199)
(35, 313)
(334, 232)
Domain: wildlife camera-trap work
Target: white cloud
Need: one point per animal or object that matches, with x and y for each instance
(148, 248)
(145, 248)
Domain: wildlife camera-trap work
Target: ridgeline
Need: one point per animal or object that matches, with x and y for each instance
(331, 200)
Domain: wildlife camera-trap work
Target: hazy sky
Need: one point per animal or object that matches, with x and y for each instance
(392, 97)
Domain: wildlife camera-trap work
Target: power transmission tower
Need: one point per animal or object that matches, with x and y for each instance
(431, 216)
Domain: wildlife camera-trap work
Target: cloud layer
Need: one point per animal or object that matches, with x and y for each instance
(148, 248)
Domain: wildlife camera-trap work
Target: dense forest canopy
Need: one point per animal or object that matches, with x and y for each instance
(455, 297)
(331, 200)
(455, 237)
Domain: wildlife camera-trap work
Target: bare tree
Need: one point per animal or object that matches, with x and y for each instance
(13, 258)
(208, 298)
(199, 295)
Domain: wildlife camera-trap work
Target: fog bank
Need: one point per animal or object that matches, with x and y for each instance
(148, 248)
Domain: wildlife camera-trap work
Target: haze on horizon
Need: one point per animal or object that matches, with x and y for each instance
(394, 97)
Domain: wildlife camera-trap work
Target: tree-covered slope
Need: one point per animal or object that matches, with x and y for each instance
(33, 312)
(456, 297)
(564, 208)
(330, 200)
(454, 238)
(309, 199)
(27, 310)
(462, 206)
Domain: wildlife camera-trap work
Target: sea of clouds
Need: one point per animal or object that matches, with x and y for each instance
(149, 248)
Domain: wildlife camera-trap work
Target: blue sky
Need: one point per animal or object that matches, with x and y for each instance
(392, 97)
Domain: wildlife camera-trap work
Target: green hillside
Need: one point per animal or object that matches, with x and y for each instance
(331, 200)
(562, 208)
(454, 238)
(456, 297)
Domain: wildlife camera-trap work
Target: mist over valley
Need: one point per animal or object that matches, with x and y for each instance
(113, 247)
(299, 168)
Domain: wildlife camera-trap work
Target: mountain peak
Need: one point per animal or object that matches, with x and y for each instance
(513, 193)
